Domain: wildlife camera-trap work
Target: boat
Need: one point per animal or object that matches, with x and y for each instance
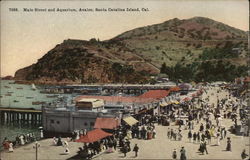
(6, 86)
(29, 97)
(33, 87)
(38, 102)
(8, 94)
(19, 96)
(52, 96)
(19, 88)
(15, 101)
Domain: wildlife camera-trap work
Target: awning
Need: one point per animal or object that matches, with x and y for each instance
(93, 136)
(175, 102)
(130, 120)
(106, 123)
(164, 104)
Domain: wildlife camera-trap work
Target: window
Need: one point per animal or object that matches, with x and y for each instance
(85, 124)
(58, 122)
(51, 121)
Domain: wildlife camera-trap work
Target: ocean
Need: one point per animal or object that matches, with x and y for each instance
(20, 96)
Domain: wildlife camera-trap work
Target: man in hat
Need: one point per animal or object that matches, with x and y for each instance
(136, 149)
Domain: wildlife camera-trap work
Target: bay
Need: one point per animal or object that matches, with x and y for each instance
(20, 96)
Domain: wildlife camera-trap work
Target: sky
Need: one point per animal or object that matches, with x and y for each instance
(27, 36)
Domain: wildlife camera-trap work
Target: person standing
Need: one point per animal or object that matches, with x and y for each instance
(190, 136)
(218, 138)
(11, 147)
(229, 144)
(183, 154)
(198, 137)
(174, 155)
(209, 138)
(136, 149)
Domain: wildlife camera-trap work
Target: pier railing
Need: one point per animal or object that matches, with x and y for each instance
(21, 116)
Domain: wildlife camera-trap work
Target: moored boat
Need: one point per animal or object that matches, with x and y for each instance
(33, 87)
(38, 102)
(29, 97)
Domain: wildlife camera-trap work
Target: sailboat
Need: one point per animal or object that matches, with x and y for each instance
(33, 87)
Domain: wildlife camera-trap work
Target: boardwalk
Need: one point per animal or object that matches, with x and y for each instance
(159, 148)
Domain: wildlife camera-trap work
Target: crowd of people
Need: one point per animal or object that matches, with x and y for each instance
(19, 141)
(202, 120)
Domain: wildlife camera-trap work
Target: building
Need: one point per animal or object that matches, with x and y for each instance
(90, 104)
(65, 119)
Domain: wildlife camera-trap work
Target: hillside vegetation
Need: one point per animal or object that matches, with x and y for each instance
(204, 48)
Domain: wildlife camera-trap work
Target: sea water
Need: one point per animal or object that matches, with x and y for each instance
(19, 96)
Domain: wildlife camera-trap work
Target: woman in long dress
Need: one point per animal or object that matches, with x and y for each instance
(77, 135)
(11, 147)
(22, 140)
(218, 138)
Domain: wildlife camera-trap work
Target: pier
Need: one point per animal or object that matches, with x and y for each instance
(110, 88)
(24, 116)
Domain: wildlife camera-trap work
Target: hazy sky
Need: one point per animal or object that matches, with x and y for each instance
(27, 36)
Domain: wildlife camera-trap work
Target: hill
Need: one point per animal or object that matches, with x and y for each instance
(133, 56)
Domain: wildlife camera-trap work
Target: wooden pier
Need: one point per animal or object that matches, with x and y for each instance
(24, 116)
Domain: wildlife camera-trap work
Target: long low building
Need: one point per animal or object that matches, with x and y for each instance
(64, 120)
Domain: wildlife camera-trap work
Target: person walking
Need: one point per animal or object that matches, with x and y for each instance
(183, 154)
(125, 150)
(174, 155)
(136, 149)
(194, 137)
(205, 146)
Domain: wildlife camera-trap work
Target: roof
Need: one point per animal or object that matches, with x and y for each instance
(106, 123)
(95, 102)
(130, 120)
(93, 136)
(87, 100)
(155, 94)
(247, 79)
(174, 89)
(119, 99)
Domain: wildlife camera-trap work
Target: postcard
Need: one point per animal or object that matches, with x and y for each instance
(126, 79)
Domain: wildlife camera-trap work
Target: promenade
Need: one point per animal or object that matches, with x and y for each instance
(159, 148)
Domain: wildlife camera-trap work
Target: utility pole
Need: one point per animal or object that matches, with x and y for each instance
(36, 146)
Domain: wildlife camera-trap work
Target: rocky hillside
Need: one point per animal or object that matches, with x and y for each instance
(183, 40)
(135, 55)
